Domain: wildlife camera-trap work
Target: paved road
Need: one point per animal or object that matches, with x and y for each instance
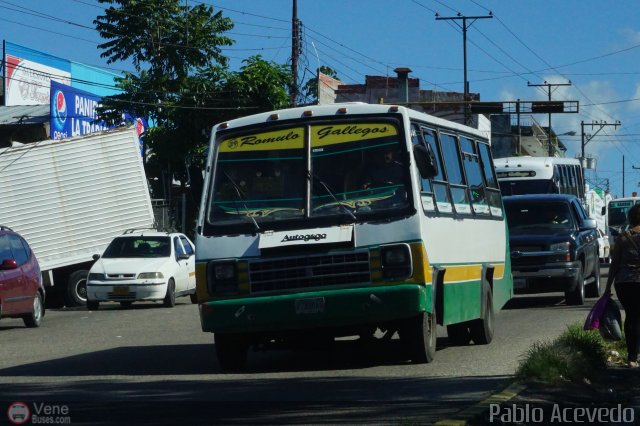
(130, 362)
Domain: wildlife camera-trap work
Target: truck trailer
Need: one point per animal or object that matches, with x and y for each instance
(70, 198)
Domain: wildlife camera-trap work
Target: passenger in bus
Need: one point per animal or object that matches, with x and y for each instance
(387, 172)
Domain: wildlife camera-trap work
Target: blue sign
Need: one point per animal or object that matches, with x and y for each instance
(73, 113)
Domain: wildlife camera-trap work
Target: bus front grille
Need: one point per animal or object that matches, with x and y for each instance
(304, 272)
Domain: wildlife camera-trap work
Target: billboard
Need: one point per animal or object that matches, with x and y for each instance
(28, 75)
(73, 113)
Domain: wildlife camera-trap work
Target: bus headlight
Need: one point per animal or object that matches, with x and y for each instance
(396, 261)
(222, 277)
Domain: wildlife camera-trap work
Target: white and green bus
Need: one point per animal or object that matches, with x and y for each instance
(349, 220)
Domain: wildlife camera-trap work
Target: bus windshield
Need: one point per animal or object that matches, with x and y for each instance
(618, 212)
(533, 186)
(354, 170)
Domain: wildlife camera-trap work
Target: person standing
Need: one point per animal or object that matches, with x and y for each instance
(624, 271)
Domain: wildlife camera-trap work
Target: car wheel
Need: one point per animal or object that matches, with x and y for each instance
(419, 337)
(231, 350)
(93, 305)
(170, 298)
(194, 298)
(34, 319)
(482, 329)
(459, 334)
(576, 296)
(126, 304)
(76, 293)
(595, 288)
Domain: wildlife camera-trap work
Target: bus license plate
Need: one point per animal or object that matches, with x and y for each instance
(312, 305)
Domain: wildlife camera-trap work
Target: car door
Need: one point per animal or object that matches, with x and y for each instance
(189, 249)
(182, 272)
(587, 237)
(11, 280)
(26, 288)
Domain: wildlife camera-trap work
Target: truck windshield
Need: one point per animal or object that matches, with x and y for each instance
(524, 217)
(355, 169)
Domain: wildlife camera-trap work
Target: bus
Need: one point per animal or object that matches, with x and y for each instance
(339, 220)
(540, 175)
(618, 210)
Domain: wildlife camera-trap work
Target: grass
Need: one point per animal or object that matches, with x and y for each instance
(574, 356)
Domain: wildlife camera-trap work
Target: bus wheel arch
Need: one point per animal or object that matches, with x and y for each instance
(482, 329)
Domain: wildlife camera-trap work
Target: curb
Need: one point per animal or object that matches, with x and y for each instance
(468, 415)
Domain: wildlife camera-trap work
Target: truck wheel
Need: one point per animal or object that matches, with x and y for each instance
(419, 336)
(576, 296)
(595, 288)
(482, 329)
(170, 299)
(34, 319)
(194, 298)
(231, 350)
(76, 293)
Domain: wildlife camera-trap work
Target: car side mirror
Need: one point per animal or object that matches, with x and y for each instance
(604, 211)
(8, 264)
(588, 224)
(96, 256)
(426, 161)
(183, 256)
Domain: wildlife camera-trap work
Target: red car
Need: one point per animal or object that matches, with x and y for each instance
(21, 290)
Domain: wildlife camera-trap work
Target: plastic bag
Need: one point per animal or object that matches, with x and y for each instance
(611, 321)
(595, 314)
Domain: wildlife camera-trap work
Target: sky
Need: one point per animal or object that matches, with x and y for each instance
(593, 44)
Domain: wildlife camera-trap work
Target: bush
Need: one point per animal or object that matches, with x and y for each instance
(573, 356)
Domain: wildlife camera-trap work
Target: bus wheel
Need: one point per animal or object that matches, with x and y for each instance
(576, 296)
(482, 329)
(231, 350)
(419, 336)
(459, 334)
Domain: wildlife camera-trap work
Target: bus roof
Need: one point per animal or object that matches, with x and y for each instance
(345, 109)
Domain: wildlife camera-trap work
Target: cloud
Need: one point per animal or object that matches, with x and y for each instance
(631, 35)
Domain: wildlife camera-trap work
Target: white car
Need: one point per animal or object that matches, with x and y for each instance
(604, 247)
(143, 265)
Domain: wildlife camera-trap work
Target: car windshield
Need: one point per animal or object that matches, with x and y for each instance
(137, 246)
(523, 217)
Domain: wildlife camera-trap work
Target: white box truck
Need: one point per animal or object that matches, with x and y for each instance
(70, 198)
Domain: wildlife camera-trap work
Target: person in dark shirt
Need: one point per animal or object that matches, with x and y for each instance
(389, 172)
(625, 273)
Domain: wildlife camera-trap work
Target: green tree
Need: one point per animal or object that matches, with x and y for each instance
(182, 82)
(310, 89)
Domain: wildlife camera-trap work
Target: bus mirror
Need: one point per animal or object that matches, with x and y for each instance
(426, 161)
(604, 211)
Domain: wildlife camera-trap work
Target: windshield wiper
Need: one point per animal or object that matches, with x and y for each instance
(239, 196)
(311, 176)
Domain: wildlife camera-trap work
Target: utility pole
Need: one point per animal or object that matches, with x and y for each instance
(584, 140)
(623, 176)
(548, 86)
(464, 27)
(295, 26)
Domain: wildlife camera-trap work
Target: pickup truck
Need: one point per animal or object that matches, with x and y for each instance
(554, 246)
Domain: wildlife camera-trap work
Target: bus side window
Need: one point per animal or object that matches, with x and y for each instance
(471, 163)
(439, 181)
(491, 183)
(457, 184)
(426, 190)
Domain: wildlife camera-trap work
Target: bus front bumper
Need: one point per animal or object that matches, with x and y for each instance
(319, 309)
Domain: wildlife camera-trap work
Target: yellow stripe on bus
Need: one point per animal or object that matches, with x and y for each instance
(267, 141)
(331, 134)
